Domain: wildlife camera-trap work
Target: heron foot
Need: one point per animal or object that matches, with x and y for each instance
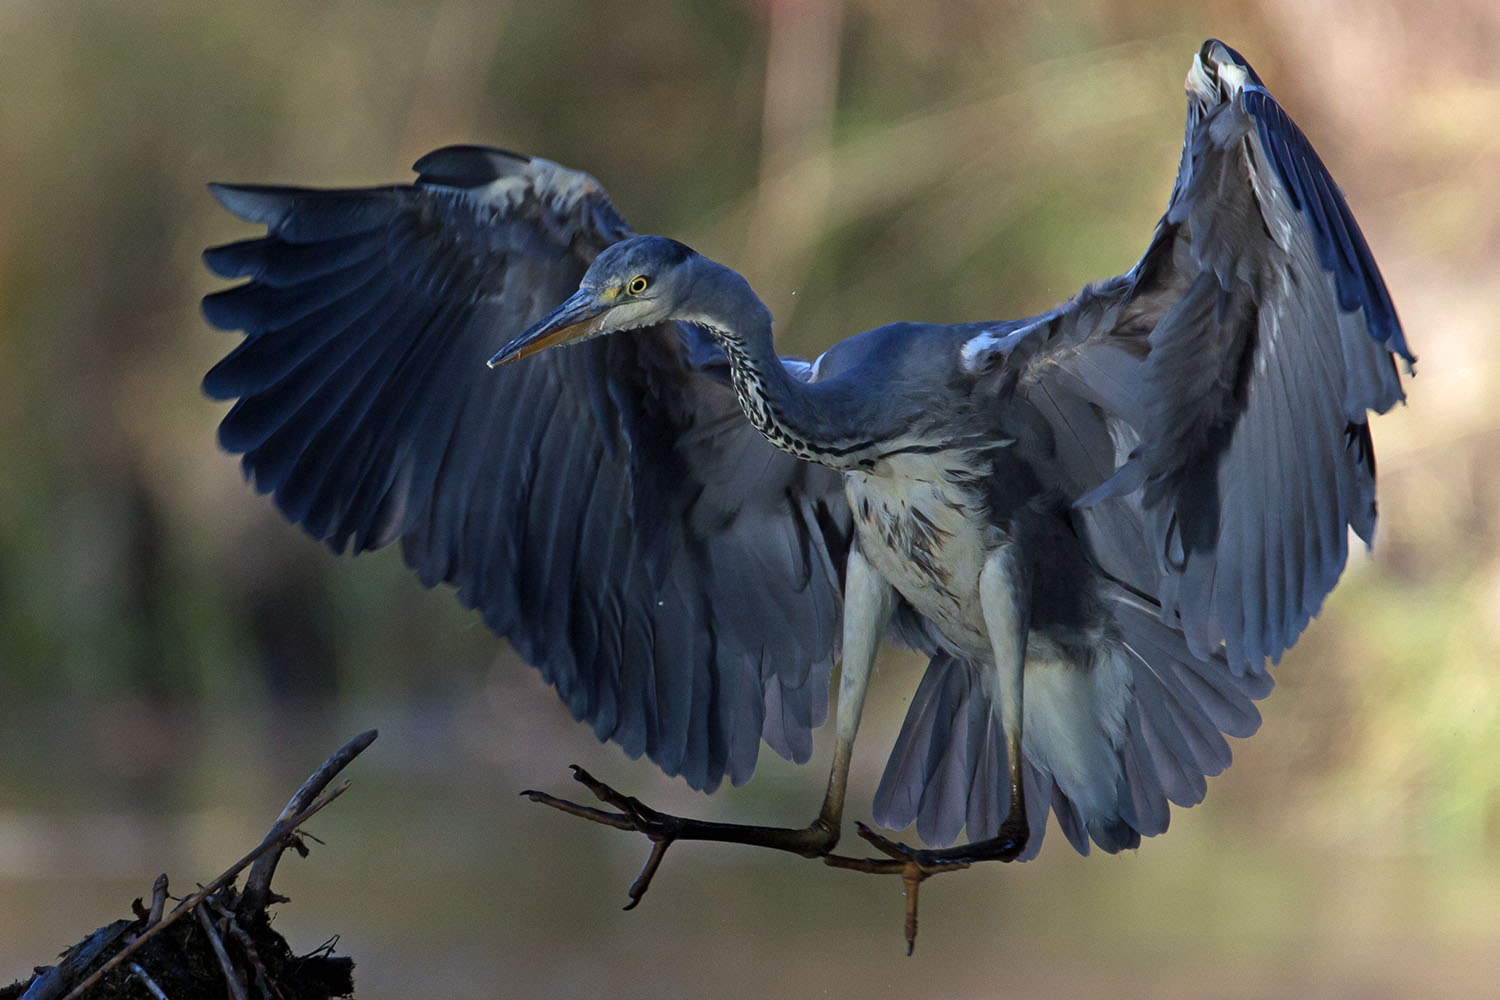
(1006, 845)
(816, 840)
(663, 830)
(633, 815)
(900, 860)
(916, 866)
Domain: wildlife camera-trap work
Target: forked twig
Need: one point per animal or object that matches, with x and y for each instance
(257, 891)
(283, 828)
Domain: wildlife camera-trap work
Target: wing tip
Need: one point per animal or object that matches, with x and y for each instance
(252, 202)
(1361, 287)
(1220, 54)
(468, 166)
(223, 309)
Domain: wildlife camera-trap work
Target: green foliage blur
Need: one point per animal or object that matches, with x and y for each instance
(860, 161)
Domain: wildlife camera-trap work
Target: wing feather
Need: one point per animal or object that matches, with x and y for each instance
(1236, 364)
(606, 507)
(1268, 337)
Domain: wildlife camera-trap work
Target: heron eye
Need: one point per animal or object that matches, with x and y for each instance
(637, 284)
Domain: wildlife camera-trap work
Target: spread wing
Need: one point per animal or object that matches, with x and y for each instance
(1209, 411)
(1236, 364)
(606, 507)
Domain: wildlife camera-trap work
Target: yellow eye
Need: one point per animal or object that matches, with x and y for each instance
(637, 285)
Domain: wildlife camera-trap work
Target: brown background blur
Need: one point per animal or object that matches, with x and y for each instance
(174, 658)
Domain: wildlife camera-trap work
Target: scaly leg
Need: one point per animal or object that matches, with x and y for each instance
(868, 604)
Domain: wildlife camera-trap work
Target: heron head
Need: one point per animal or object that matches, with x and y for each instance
(635, 283)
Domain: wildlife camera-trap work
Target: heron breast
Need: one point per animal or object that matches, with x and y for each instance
(926, 534)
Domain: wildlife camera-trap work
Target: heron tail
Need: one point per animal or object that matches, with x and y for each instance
(1107, 747)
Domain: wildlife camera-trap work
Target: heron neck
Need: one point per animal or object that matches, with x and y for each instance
(791, 414)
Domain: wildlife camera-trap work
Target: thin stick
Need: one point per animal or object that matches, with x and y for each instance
(258, 883)
(284, 826)
(231, 977)
(150, 983)
(232, 927)
(158, 900)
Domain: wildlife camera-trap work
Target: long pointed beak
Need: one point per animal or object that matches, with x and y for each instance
(575, 319)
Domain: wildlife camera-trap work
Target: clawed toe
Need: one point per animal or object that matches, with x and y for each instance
(630, 806)
(662, 829)
(817, 840)
(929, 861)
(1007, 845)
(634, 814)
(913, 865)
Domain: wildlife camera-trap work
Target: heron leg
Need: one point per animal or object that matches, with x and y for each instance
(868, 603)
(1004, 590)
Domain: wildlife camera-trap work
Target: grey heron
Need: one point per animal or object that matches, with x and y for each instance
(1100, 522)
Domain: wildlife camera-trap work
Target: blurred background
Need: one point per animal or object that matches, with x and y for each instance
(174, 659)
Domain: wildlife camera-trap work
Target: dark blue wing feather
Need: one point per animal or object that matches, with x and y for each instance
(1209, 413)
(1247, 347)
(605, 506)
(1342, 249)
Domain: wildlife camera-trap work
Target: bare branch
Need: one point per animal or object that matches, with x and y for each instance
(283, 827)
(158, 900)
(258, 883)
